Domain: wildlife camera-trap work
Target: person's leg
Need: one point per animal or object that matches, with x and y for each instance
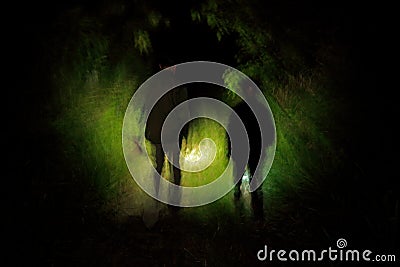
(176, 154)
(237, 193)
(176, 169)
(177, 175)
(256, 196)
(159, 157)
(237, 176)
(174, 194)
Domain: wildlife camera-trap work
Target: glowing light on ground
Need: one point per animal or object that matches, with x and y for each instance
(199, 157)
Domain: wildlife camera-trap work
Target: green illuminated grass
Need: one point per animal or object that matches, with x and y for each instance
(91, 123)
(200, 129)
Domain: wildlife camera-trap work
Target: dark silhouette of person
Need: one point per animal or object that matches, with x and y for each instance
(254, 135)
(154, 125)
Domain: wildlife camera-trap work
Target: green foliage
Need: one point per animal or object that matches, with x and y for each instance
(232, 81)
(82, 49)
(263, 53)
(142, 41)
(154, 18)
